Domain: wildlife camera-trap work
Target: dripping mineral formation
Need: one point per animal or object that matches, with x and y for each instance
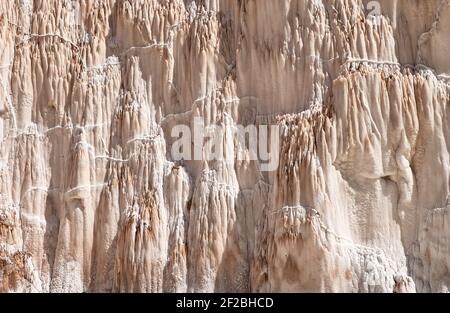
(91, 199)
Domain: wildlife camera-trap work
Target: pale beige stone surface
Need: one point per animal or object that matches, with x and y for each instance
(91, 200)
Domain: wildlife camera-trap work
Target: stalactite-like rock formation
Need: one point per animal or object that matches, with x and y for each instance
(92, 199)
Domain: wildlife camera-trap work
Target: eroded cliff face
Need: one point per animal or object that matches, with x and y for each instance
(92, 200)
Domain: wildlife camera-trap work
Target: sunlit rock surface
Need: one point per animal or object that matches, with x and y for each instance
(91, 199)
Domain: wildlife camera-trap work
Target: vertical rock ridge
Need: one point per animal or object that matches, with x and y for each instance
(92, 199)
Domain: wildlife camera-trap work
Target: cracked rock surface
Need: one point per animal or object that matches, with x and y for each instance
(91, 199)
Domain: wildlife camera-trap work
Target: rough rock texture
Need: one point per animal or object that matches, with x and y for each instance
(91, 200)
